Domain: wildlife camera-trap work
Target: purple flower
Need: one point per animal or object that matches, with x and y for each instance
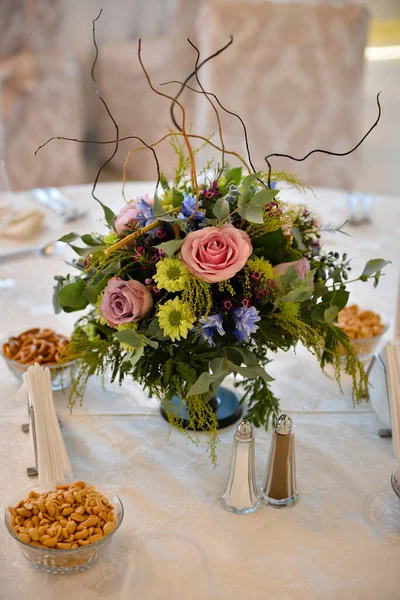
(188, 206)
(245, 320)
(212, 192)
(209, 325)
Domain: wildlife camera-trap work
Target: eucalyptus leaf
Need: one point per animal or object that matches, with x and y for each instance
(89, 240)
(247, 181)
(154, 330)
(170, 247)
(136, 355)
(252, 372)
(159, 212)
(69, 237)
(221, 209)
(177, 198)
(130, 337)
(252, 213)
(108, 215)
(151, 343)
(203, 384)
(297, 236)
(234, 175)
(71, 295)
(373, 266)
(263, 197)
(81, 251)
(331, 313)
(300, 293)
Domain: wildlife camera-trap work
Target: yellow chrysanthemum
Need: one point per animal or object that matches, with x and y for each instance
(175, 319)
(171, 275)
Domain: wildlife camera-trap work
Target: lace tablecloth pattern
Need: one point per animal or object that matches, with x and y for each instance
(341, 541)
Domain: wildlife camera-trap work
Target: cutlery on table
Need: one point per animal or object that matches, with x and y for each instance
(353, 200)
(54, 199)
(42, 250)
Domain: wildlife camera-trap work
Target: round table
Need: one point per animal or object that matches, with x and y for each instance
(342, 540)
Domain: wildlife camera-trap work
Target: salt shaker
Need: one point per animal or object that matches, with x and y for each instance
(280, 489)
(241, 495)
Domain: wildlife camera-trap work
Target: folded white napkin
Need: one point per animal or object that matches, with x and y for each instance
(392, 352)
(53, 461)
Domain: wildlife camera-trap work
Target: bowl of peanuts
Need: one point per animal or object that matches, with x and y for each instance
(364, 328)
(42, 346)
(66, 527)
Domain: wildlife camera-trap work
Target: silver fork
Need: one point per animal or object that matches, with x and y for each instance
(53, 198)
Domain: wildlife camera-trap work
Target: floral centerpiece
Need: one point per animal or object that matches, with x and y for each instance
(207, 277)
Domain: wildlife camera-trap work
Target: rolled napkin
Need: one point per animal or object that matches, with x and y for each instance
(53, 461)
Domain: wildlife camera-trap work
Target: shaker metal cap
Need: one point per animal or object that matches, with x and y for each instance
(284, 425)
(244, 431)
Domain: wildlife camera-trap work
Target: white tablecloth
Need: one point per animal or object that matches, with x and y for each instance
(176, 542)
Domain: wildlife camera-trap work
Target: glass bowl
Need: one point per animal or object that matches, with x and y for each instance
(59, 561)
(366, 347)
(60, 374)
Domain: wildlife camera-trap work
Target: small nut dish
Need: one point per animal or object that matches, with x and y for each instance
(364, 328)
(66, 527)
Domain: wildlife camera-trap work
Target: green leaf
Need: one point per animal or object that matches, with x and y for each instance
(177, 198)
(56, 300)
(234, 175)
(263, 197)
(252, 213)
(170, 247)
(252, 372)
(108, 215)
(69, 237)
(89, 240)
(203, 384)
(297, 236)
(71, 295)
(247, 181)
(159, 212)
(154, 330)
(221, 209)
(218, 365)
(272, 246)
(151, 343)
(81, 251)
(300, 293)
(130, 337)
(373, 266)
(239, 355)
(136, 355)
(289, 278)
(331, 313)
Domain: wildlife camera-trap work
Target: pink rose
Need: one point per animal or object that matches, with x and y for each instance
(138, 210)
(301, 266)
(125, 301)
(214, 254)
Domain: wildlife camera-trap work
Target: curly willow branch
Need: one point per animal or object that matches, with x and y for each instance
(118, 139)
(196, 68)
(229, 112)
(166, 136)
(325, 151)
(189, 77)
(189, 147)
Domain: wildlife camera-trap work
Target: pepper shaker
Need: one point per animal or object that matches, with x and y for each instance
(241, 495)
(280, 489)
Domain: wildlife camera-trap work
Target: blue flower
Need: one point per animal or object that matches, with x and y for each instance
(188, 206)
(145, 214)
(245, 320)
(209, 325)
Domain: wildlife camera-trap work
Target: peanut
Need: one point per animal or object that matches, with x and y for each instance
(24, 512)
(81, 535)
(34, 533)
(68, 517)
